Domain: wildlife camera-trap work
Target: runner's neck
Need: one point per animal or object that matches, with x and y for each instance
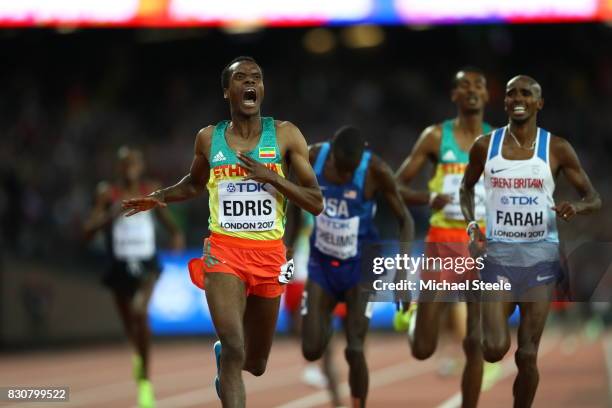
(246, 127)
(523, 132)
(469, 125)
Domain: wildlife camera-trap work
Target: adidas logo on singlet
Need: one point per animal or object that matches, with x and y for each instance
(449, 156)
(219, 157)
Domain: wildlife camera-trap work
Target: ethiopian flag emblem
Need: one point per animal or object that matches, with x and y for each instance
(267, 152)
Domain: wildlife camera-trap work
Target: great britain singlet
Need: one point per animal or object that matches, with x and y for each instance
(452, 161)
(519, 193)
(245, 208)
(346, 220)
(522, 238)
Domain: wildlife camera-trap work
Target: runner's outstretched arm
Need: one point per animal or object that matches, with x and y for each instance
(192, 185)
(575, 174)
(423, 151)
(294, 216)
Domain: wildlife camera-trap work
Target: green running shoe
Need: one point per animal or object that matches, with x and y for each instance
(402, 318)
(146, 397)
(593, 328)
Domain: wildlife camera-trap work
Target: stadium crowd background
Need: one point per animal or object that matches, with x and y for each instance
(69, 98)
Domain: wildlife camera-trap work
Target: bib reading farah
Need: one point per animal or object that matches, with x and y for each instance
(519, 193)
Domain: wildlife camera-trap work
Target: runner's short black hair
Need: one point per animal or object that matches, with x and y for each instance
(348, 144)
(467, 68)
(225, 74)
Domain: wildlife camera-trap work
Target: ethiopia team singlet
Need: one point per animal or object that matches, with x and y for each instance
(519, 196)
(452, 162)
(346, 220)
(245, 208)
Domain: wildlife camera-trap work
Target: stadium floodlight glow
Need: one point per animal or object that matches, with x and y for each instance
(319, 41)
(270, 11)
(363, 36)
(67, 11)
(242, 27)
(429, 11)
(223, 13)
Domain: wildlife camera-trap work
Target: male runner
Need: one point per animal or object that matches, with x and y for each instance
(134, 268)
(317, 375)
(520, 163)
(243, 163)
(349, 176)
(446, 145)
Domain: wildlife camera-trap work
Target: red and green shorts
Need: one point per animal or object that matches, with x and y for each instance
(256, 263)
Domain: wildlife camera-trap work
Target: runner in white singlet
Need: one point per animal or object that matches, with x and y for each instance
(520, 163)
(133, 267)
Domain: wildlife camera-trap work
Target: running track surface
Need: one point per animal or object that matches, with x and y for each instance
(574, 372)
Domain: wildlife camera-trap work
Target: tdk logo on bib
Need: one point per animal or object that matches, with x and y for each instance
(519, 200)
(245, 187)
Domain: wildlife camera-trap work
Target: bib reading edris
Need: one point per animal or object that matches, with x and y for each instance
(245, 208)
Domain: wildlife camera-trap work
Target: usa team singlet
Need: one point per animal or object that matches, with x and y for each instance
(347, 216)
(341, 229)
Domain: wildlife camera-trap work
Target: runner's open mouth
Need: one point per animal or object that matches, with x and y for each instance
(249, 97)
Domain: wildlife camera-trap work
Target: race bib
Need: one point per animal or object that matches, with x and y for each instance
(337, 237)
(246, 206)
(452, 210)
(519, 217)
(134, 237)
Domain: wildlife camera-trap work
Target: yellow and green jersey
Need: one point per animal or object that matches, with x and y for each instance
(245, 208)
(452, 162)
